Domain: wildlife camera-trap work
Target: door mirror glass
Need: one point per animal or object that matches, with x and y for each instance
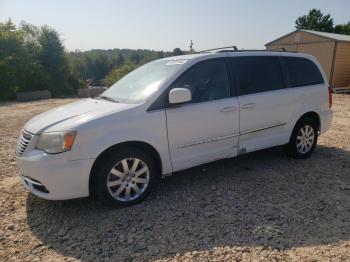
(179, 95)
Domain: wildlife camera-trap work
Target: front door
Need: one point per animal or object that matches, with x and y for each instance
(206, 128)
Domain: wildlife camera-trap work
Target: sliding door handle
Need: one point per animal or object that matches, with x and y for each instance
(248, 106)
(228, 109)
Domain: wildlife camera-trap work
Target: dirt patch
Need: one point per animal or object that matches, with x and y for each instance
(262, 206)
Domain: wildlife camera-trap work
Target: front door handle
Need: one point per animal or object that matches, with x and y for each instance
(248, 106)
(228, 109)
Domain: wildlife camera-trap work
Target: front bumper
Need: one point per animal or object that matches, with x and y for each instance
(54, 177)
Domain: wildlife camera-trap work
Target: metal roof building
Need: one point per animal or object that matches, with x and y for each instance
(331, 50)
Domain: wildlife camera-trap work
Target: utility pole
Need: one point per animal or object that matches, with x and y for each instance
(191, 47)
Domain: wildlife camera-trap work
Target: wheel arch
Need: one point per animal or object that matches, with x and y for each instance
(311, 115)
(128, 144)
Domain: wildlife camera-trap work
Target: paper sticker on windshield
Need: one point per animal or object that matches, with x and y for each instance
(176, 62)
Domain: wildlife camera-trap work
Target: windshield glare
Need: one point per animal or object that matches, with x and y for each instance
(139, 84)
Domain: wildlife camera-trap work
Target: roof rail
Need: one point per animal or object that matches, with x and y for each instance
(219, 48)
(235, 49)
(265, 50)
(278, 49)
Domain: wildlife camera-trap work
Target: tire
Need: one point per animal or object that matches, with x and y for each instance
(125, 177)
(301, 145)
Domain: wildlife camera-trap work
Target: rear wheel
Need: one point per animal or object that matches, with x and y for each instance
(303, 139)
(125, 178)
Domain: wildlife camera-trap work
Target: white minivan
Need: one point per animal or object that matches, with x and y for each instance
(172, 114)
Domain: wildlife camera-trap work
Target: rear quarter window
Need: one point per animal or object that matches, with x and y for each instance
(302, 72)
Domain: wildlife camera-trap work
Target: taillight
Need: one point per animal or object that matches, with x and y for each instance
(330, 99)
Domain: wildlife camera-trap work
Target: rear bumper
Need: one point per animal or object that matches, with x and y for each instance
(53, 177)
(326, 121)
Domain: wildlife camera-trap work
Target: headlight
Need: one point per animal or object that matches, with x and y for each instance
(56, 142)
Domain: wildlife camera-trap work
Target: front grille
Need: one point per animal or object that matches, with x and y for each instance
(23, 142)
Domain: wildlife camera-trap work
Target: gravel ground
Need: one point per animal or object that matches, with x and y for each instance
(259, 206)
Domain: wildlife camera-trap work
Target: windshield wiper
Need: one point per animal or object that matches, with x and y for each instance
(107, 98)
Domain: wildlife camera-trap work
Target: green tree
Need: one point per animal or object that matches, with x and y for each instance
(119, 60)
(33, 58)
(9, 26)
(160, 54)
(315, 20)
(12, 62)
(342, 29)
(177, 51)
(35, 73)
(52, 57)
(135, 58)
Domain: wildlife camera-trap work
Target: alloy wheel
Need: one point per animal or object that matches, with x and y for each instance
(128, 179)
(305, 139)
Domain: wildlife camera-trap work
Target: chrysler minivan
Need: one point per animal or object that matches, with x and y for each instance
(172, 114)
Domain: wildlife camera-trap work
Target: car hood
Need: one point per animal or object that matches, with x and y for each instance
(73, 113)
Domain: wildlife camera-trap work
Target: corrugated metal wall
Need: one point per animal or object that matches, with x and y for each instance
(299, 37)
(323, 52)
(341, 76)
(320, 47)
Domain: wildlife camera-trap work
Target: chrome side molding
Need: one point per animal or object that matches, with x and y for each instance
(230, 136)
(207, 141)
(262, 128)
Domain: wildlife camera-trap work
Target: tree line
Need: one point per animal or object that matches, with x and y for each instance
(105, 67)
(34, 58)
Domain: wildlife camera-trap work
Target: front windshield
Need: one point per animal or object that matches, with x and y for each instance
(136, 86)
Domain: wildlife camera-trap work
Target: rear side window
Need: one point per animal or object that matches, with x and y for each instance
(302, 72)
(258, 74)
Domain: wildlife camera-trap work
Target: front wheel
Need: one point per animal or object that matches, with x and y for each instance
(303, 139)
(125, 178)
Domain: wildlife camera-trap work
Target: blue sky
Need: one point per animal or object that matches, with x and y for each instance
(163, 25)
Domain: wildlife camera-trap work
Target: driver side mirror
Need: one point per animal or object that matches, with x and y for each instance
(179, 95)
